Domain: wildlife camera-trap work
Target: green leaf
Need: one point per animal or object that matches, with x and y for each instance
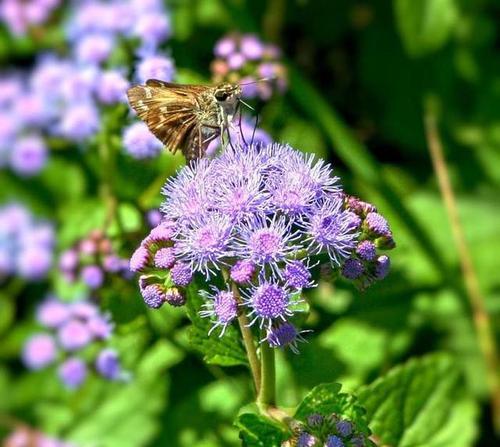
(224, 351)
(79, 219)
(129, 218)
(327, 398)
(126, 417)
(416, 405)
(425, 25)
(259, 431)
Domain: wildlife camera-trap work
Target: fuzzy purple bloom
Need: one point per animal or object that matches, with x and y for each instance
(252, 47)
(344, 428)
(80, 121)
(100, 327)
(352, 269)
(73, 372)
(332, 230)
(224, 47)
(74, 335)
(140, 259)
(297, 275)
(204, 242)
(39, 351)
(283, 335)
(268, 301)
(52, 313)
(181, 274)
(242, 272)
(306, 440)
(334, 441)
(155, 67)
(266, 241)
(377, 224)
(165, 258)
(382, 266)
(112, 87)
(366, 250)
(153, 295)
(140, 143)
(92, 276)
(29, 155)
(175, 297)
(34, 262)
(94, 48)
(108, 365)
(222, 307)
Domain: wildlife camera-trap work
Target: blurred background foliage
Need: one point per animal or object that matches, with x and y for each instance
(359, 75)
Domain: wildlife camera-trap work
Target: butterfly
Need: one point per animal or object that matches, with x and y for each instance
(183, 116)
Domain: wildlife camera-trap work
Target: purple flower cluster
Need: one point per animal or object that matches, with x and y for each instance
(246, 59)
(163, 276)
(24, 436)
(70, 328)
(26, 244)
(69, 98)
(257, 216)
(90, 259)
(366, 265)
(329, 431)
(19, 15)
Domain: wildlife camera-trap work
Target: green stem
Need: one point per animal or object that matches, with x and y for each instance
(267, 394)
(480, 315)
(246, 332)
(106, 155)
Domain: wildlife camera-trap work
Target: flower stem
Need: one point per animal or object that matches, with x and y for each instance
(267, 394)
(247, 335)
(480, 315)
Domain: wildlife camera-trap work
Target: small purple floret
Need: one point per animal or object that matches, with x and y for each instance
(181, 274)
(242, 271)
(73, 372)
(164, 258)
(108, 365)
(352, 269)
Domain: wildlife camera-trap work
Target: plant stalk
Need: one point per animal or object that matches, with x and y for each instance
(267, 394)
(248, 341)
(481, 319)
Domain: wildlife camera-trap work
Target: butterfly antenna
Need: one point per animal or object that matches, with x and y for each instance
(255, 127)
(246, 104)
(271, 78)
(241, 128)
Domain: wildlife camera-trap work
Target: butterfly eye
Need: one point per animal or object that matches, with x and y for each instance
(221, 95)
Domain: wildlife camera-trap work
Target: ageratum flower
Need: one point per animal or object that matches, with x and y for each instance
(71, 328)
(330, 431)
(245, 59)
(259, 217)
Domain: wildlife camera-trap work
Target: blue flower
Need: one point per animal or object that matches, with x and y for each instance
(331, 229)
(220, 306)
(204, 242)
(139, 142)
(266, 241)
(268, 301)
(283, 335)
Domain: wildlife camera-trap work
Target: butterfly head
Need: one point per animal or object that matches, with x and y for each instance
(227, 95)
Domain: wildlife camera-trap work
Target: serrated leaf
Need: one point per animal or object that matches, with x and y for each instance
(226, 350)
(412, 405)
(326, 399)
(259, 431)
(425, 25)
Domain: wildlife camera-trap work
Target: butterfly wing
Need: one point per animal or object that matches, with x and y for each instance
(169, 110)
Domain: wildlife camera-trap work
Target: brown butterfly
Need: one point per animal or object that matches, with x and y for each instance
(185, 117)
